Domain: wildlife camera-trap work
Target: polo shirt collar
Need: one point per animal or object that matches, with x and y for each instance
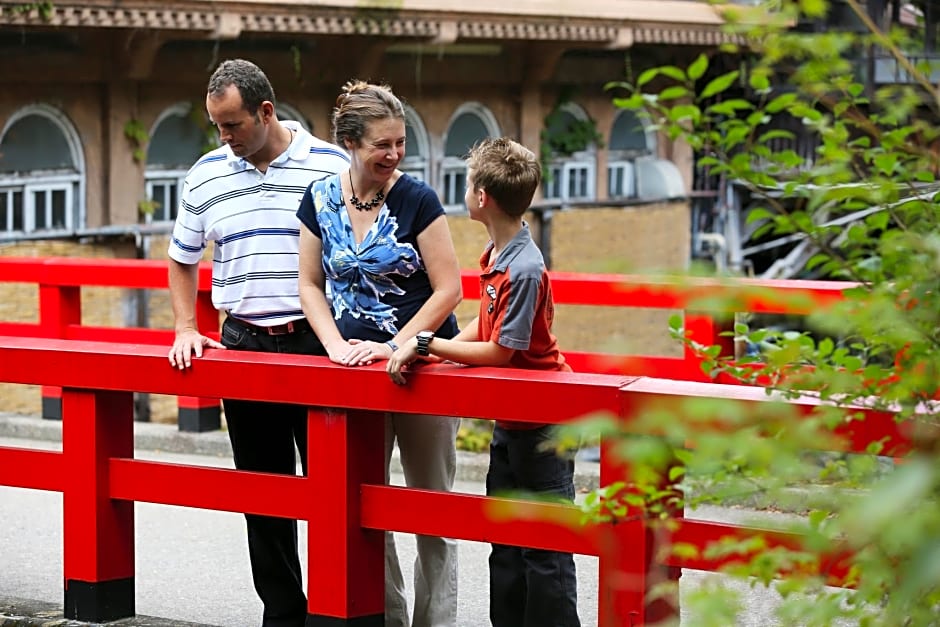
(515, 246)
(298, 149)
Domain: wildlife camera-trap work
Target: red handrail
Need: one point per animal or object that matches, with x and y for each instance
(100, 479)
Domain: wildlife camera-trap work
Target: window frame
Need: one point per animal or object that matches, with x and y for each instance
(154, 177)
(561, 167)
(70, 181)
(48, 183)
(623, 159)
(450, 165)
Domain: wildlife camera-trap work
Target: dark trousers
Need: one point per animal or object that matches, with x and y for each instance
(263, 437)
(530, 587)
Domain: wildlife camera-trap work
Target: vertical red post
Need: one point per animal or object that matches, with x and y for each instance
(628, 561)
(196, 414)
(59, 306)
(346, 563)
(98, 531)
(707, 331)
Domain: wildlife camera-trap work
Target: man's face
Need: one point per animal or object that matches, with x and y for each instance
(244, 133)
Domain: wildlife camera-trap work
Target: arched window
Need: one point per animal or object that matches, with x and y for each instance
(41, 173)
(176, 141)
(630, 139)
(417, 146)
(471, 123)
(570, 177)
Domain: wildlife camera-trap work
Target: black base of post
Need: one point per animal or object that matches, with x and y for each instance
(198, 420)
(52, 407)
(375, 620)
(101, 601)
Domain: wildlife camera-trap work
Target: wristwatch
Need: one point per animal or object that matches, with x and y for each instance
(424, 342)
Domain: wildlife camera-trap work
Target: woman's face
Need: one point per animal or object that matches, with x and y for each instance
(380, 150)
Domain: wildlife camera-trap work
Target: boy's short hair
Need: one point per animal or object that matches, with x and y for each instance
(507, 170)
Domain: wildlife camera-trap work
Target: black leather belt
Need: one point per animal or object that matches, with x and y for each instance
(293, 326)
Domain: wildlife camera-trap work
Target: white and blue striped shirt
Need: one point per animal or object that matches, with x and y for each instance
(251, 218)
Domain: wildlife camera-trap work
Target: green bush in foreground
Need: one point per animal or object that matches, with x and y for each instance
(866, 203)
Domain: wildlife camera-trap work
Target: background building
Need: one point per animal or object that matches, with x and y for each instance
(102, 113)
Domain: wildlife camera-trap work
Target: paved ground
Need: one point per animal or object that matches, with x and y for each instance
(192, 565)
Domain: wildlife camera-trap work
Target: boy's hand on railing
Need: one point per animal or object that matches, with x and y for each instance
(189, 342)
(400, 359)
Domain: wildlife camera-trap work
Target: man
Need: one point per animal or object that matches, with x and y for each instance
(243, 197)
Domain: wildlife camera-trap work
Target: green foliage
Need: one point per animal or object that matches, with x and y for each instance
(474, 435)
(147, 207)
(43, 8)
(563, 135)
(137, 135)
(197, 114)
(867, 201)
(297, 64)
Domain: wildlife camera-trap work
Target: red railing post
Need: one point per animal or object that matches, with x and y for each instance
(705, 330)
(196, 414)
(98, 532)
(629, 563)
(346, 563)
(59, 306)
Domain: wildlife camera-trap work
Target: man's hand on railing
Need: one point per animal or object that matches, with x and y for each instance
(189, 342)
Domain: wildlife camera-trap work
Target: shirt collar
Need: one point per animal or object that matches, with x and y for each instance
(298, 149)
(506, 255)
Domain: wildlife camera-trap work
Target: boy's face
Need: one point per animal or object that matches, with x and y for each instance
(472, 197)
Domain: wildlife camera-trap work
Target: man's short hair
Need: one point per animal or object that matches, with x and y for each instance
(247, 77)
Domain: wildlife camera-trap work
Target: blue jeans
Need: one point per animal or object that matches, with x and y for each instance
(263, 437)
(530, 587)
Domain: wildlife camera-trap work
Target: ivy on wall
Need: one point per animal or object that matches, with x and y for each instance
(563, 135)
(43, 8)
(198, 116)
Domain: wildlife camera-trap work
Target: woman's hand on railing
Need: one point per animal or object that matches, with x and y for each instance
(364, 352)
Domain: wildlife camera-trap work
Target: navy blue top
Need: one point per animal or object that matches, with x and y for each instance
(375, 288)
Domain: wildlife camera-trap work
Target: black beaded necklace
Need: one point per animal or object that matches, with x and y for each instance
(364, 206)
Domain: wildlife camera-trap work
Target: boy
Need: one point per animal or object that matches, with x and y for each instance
(528, 587)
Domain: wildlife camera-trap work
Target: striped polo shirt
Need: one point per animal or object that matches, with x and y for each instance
(251, 218)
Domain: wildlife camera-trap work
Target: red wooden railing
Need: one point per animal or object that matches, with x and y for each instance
(60, 281)
(703, 302)
(100, 479)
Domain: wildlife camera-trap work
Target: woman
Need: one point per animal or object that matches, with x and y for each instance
(380, 238)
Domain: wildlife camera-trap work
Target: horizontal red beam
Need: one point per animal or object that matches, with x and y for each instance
(30, 468)
(127, 335)
(218, 489)
(529, 396)
(834, 566)
(757, 295)
(482, 519)
(22, 329)
(852, 435)
(78, 271)
(634, 365)
(705, 294)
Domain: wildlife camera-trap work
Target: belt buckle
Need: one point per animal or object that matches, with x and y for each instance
(281, 329)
